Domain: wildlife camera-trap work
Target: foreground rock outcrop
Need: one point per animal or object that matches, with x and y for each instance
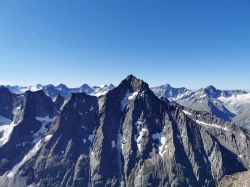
(236, 180)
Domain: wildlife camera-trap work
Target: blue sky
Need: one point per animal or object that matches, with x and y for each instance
(190, 43)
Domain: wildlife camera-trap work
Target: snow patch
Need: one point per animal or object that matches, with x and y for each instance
(91, 109)
(124, 101)
(5, 131)
(92, 136)
(132, 96)
(48, 137)
(138, 124)
(187, 112)
(162, 143)
(45, 121)
(204, 124)
(6, 128)
(28, 156)
(242, 135)
(143, 132)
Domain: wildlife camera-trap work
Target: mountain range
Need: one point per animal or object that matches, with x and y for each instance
(126, 137)
(62, 89)
(230, 105)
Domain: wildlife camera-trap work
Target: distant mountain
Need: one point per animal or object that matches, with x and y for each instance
(127, 137)
(230, 105)
(62, 89)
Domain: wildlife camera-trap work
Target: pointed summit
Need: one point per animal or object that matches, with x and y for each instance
(131, 77)
(212, 91)
(134, 84)
(86, 89)
(211, 88)
(62, 87)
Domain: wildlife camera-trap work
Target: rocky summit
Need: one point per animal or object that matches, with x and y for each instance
(125, 137)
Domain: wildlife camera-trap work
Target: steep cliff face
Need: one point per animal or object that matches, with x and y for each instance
(129, 137)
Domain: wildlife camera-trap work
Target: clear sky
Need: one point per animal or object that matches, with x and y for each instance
(190, 43)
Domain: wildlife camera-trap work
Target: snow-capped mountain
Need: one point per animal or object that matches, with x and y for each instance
(62, 89)
(22, 89)
(127, 137)
(230, 105)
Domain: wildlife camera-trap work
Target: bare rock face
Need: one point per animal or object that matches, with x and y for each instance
(236, 180)
(128, 137)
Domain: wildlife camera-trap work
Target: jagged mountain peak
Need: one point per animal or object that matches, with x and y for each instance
(134, 83)
(212, 91)
(79, 97)
(168, 91)
(62, 86)
(37, 96)
(37, 103)
(151, 142)
(39, 85)
(80, 102)
(31, 93)
(210, 88)
(84, 86)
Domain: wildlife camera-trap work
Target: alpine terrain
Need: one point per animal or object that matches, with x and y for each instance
(230, 105)
(127, 136)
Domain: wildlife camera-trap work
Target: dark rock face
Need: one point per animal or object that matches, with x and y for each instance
(128, 137)
(30, 112)
(64, 159)
(59, 101)
(6, 103)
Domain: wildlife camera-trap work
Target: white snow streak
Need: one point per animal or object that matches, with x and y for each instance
(162, 142)
(202, 123)
(91, 108)
(129, 96)
(124, 102)
(142, 133)
(132, 96)
(6, 131)
(45, 121)
(6, 128)
(187, 112)
(28, 156)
